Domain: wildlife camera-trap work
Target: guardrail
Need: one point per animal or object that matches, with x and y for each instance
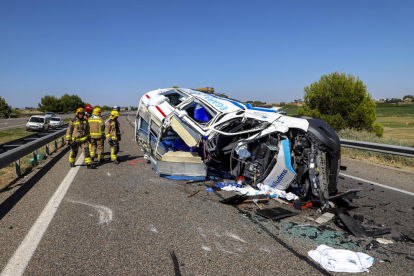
(396, 150)
(13, 151)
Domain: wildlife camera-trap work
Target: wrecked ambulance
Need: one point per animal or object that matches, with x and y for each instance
(189, 134)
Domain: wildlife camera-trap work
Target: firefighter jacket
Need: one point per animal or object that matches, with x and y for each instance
(78, 130)
(112, 130)
(96, 126)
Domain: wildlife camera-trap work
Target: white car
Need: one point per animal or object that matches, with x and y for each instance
(56, 122)
(38, 123)
(50, 114)
(190, 134)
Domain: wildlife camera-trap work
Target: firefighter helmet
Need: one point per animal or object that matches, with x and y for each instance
(80, 110)
(88, 109)
(97, 111)
(114, 114)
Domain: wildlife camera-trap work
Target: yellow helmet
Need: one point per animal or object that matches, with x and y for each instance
(97, 111)
(80, 110)
(114, 114)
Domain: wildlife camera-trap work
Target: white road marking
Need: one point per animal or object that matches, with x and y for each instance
(378, 184)
(105, 214)
(21, 258)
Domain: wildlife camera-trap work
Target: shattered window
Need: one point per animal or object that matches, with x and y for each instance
(143, 126)
(200, 113)
(175, 97)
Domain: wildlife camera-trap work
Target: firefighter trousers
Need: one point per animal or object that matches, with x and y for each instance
(97, 143)
(114, 150)
(85, 148)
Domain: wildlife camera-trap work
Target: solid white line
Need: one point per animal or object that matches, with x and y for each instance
(21, 258)
(378, 184)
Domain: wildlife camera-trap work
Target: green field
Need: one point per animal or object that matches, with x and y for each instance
(387, 109)
(291, 109)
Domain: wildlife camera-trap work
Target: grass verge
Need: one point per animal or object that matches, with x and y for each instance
(18, 132)
(8, 174)
(391, 160)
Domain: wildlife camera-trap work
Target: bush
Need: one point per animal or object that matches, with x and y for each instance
(340, 100)
(377, 129)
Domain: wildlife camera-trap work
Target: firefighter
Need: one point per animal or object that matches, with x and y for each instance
(88, 111)
(97, 128)
(78, 136)
(113, 135)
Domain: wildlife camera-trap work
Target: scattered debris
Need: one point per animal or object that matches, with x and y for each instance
(372, 245)
(359, 218)
(339, 260)
(383, 241)
(357, 230)
(403, 238)
(343, 168)
(194, 193)
(275, 213)
(235, 200)
(324, 218)
(385, 261)
(409, 257)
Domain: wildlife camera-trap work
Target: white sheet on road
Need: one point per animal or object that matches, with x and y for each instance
(339, 260)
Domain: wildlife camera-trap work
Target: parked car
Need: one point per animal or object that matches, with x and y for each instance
(38, 123)
(190, 134)
(50, 114)
(56, 122)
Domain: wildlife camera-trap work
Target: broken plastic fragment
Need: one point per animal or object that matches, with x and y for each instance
(324, 218)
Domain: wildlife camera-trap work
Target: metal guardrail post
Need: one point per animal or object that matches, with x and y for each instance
(35, 157)
(63, 142)
(47, 149)
(17, 165)
(56, 145)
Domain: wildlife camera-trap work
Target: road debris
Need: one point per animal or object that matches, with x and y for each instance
(340, 260)
(383, 241)
(324, 218)
(275, 213)
(194, 193)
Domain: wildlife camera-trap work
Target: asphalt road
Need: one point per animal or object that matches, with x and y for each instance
(21, 122)
(125, 220)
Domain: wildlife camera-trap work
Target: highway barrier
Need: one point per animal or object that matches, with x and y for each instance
(14, 150)
(383, 148)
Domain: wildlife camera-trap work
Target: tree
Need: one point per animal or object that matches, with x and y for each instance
(408, 96)
(175, 86)
(71, 102)
(106, 108)
(49, 104)
(256, 103)
(340, 100)
(5, 109)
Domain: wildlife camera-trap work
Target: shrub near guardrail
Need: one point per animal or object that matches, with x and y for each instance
(376, 157)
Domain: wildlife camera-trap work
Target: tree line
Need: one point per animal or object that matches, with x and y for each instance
(66, 103)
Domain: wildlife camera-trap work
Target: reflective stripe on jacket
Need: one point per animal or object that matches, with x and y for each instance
(78, 130)
(96, 125)
(112, 130)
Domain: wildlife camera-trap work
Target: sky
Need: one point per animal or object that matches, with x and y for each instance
(112, 52)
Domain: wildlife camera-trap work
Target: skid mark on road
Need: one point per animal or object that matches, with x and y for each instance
(105, 214)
